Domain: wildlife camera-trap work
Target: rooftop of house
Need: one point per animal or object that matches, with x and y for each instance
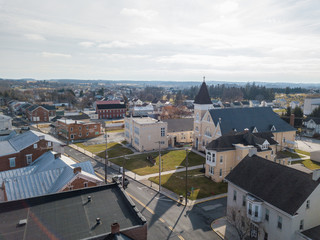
(82, 116)
(145, 120)
(5, 117)
(281, 186)
(227, 142)
(21, 141)
(48, 174)
(261, 118)
(110, 106)
(70, 214)
(179, 125)
(203, 95)
(70, 121)
(312, 233)
(314, 119)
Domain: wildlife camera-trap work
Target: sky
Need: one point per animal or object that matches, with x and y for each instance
(237, 40)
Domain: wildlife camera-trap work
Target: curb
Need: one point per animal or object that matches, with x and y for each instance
(218, 233)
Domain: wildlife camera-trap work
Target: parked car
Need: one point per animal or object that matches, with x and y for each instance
(118, 178)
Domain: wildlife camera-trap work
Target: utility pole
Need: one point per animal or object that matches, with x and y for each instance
(159, 167)
(106, 159)
(187, 152)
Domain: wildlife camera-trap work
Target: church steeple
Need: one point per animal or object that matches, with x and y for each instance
(203, 94)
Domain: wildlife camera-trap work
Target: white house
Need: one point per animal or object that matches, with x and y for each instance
(294, 104)
(312, 126)
(5, 122)
(274, 201)
(310, 103)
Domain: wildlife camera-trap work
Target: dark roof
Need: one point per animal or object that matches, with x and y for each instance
(313, 233)
(316, 120)
(179, 125)
(227, 142)
(69, 215)
(245, 102)
(281, 186)
(49, 107)
(33, 107)
(203, 95)
(82, 116)
(110, 106)
(237, 103)
(155, 100)
(226, 104)
(263, 118)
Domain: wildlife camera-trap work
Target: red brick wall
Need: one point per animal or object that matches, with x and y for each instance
(78, 183)
(91, 129)
(111, 113)
(21, 160)
(40, 112)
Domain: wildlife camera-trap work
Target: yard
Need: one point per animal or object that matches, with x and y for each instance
(114, 149)
(202, 187)
(170, 160)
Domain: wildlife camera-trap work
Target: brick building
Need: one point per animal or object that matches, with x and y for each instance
(21, 150)
(110, 111)
(77, 130)
(43, 113)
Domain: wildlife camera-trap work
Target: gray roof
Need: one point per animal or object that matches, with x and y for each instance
(281, 186)
(313, 233)
(69, 215)
(263, 118)
(44, 176)
(203, 95)
(179, 125)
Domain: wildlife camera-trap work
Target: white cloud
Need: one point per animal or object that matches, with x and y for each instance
(148, 14)
(36, 37)
(114, 44)
(86, 44)
(228, 7)
(53, 55)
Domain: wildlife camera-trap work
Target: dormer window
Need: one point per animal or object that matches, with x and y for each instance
(265, 145)
(273, 128)
(255, 130)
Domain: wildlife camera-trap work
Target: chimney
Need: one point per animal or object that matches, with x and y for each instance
(292, 120)
(316, 175)
(115, 228)
(57, 155)
(76, 170)
(252, 151)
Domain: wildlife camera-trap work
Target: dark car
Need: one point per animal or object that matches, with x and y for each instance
(118, 178)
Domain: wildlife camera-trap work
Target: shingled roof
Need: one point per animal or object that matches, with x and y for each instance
(261, 118)
(227, 142)
(281, 186)
(179, 125)
(203, 95)
(110, 106)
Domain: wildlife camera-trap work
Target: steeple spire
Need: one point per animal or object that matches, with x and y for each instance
(203, 95)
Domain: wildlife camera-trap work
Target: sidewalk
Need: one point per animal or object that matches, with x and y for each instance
(224, 229)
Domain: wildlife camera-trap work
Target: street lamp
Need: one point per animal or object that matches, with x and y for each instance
(187, 153)
(159, 165)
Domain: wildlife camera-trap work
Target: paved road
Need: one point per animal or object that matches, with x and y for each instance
(166, 218)
(308, 144)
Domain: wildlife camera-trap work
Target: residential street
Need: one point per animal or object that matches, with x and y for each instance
(166, 218)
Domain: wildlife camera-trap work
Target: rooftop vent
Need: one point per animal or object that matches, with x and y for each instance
(22, 222)
(89, 198)
(98, 220)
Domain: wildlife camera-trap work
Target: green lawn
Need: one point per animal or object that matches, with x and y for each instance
(170, 161)
(114, 149)
(312, 165)
(203, 187)
(302, 152)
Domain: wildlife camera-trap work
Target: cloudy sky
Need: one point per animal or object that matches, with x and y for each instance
(244, 40)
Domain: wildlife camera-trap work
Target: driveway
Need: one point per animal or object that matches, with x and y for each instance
(308, 144)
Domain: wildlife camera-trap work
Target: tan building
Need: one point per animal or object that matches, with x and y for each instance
(273, 201)
(180, 131)
(210, 123)
(77, 130)
(145, 133)
(226, 152)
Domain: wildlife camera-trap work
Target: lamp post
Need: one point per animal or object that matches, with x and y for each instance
(159, 168)
(106, 159)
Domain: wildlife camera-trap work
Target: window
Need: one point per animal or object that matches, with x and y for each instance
(127, 134)
(308, 204)
(95, 126)
(29, 158)
(207, 132)
(265, 236)
(211, 170)
(242, 222)
(71, 129)
(161, 142)
(136, 140)
(250, 209)
(87, 134)
(234, 195)
(221, 159)
(213, 157)
(163, 132)
(197, 117)
(87, 127)
(244, 200)
(80, 128)
(208, 157)
(80, 134)
(85, 184)
(256, 211)
(197, 128)
(279, 222)
(203, 143)
(301, 225)
(12, 162)
(220, 173)
(35, 146)
(71, 136)
(49, 144)
(266, 217)
(136, 130)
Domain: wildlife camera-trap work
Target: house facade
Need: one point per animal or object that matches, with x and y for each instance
(180, 131)
(226, 152)
(211, 123)
(145, 133)
(44, 113)
(21, 150)
(273, 201)
(5, 122)
(312, 126)
(111, 111)
(310, 103)
(77, 130)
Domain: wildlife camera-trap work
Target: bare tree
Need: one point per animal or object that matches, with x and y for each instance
(241, 223)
